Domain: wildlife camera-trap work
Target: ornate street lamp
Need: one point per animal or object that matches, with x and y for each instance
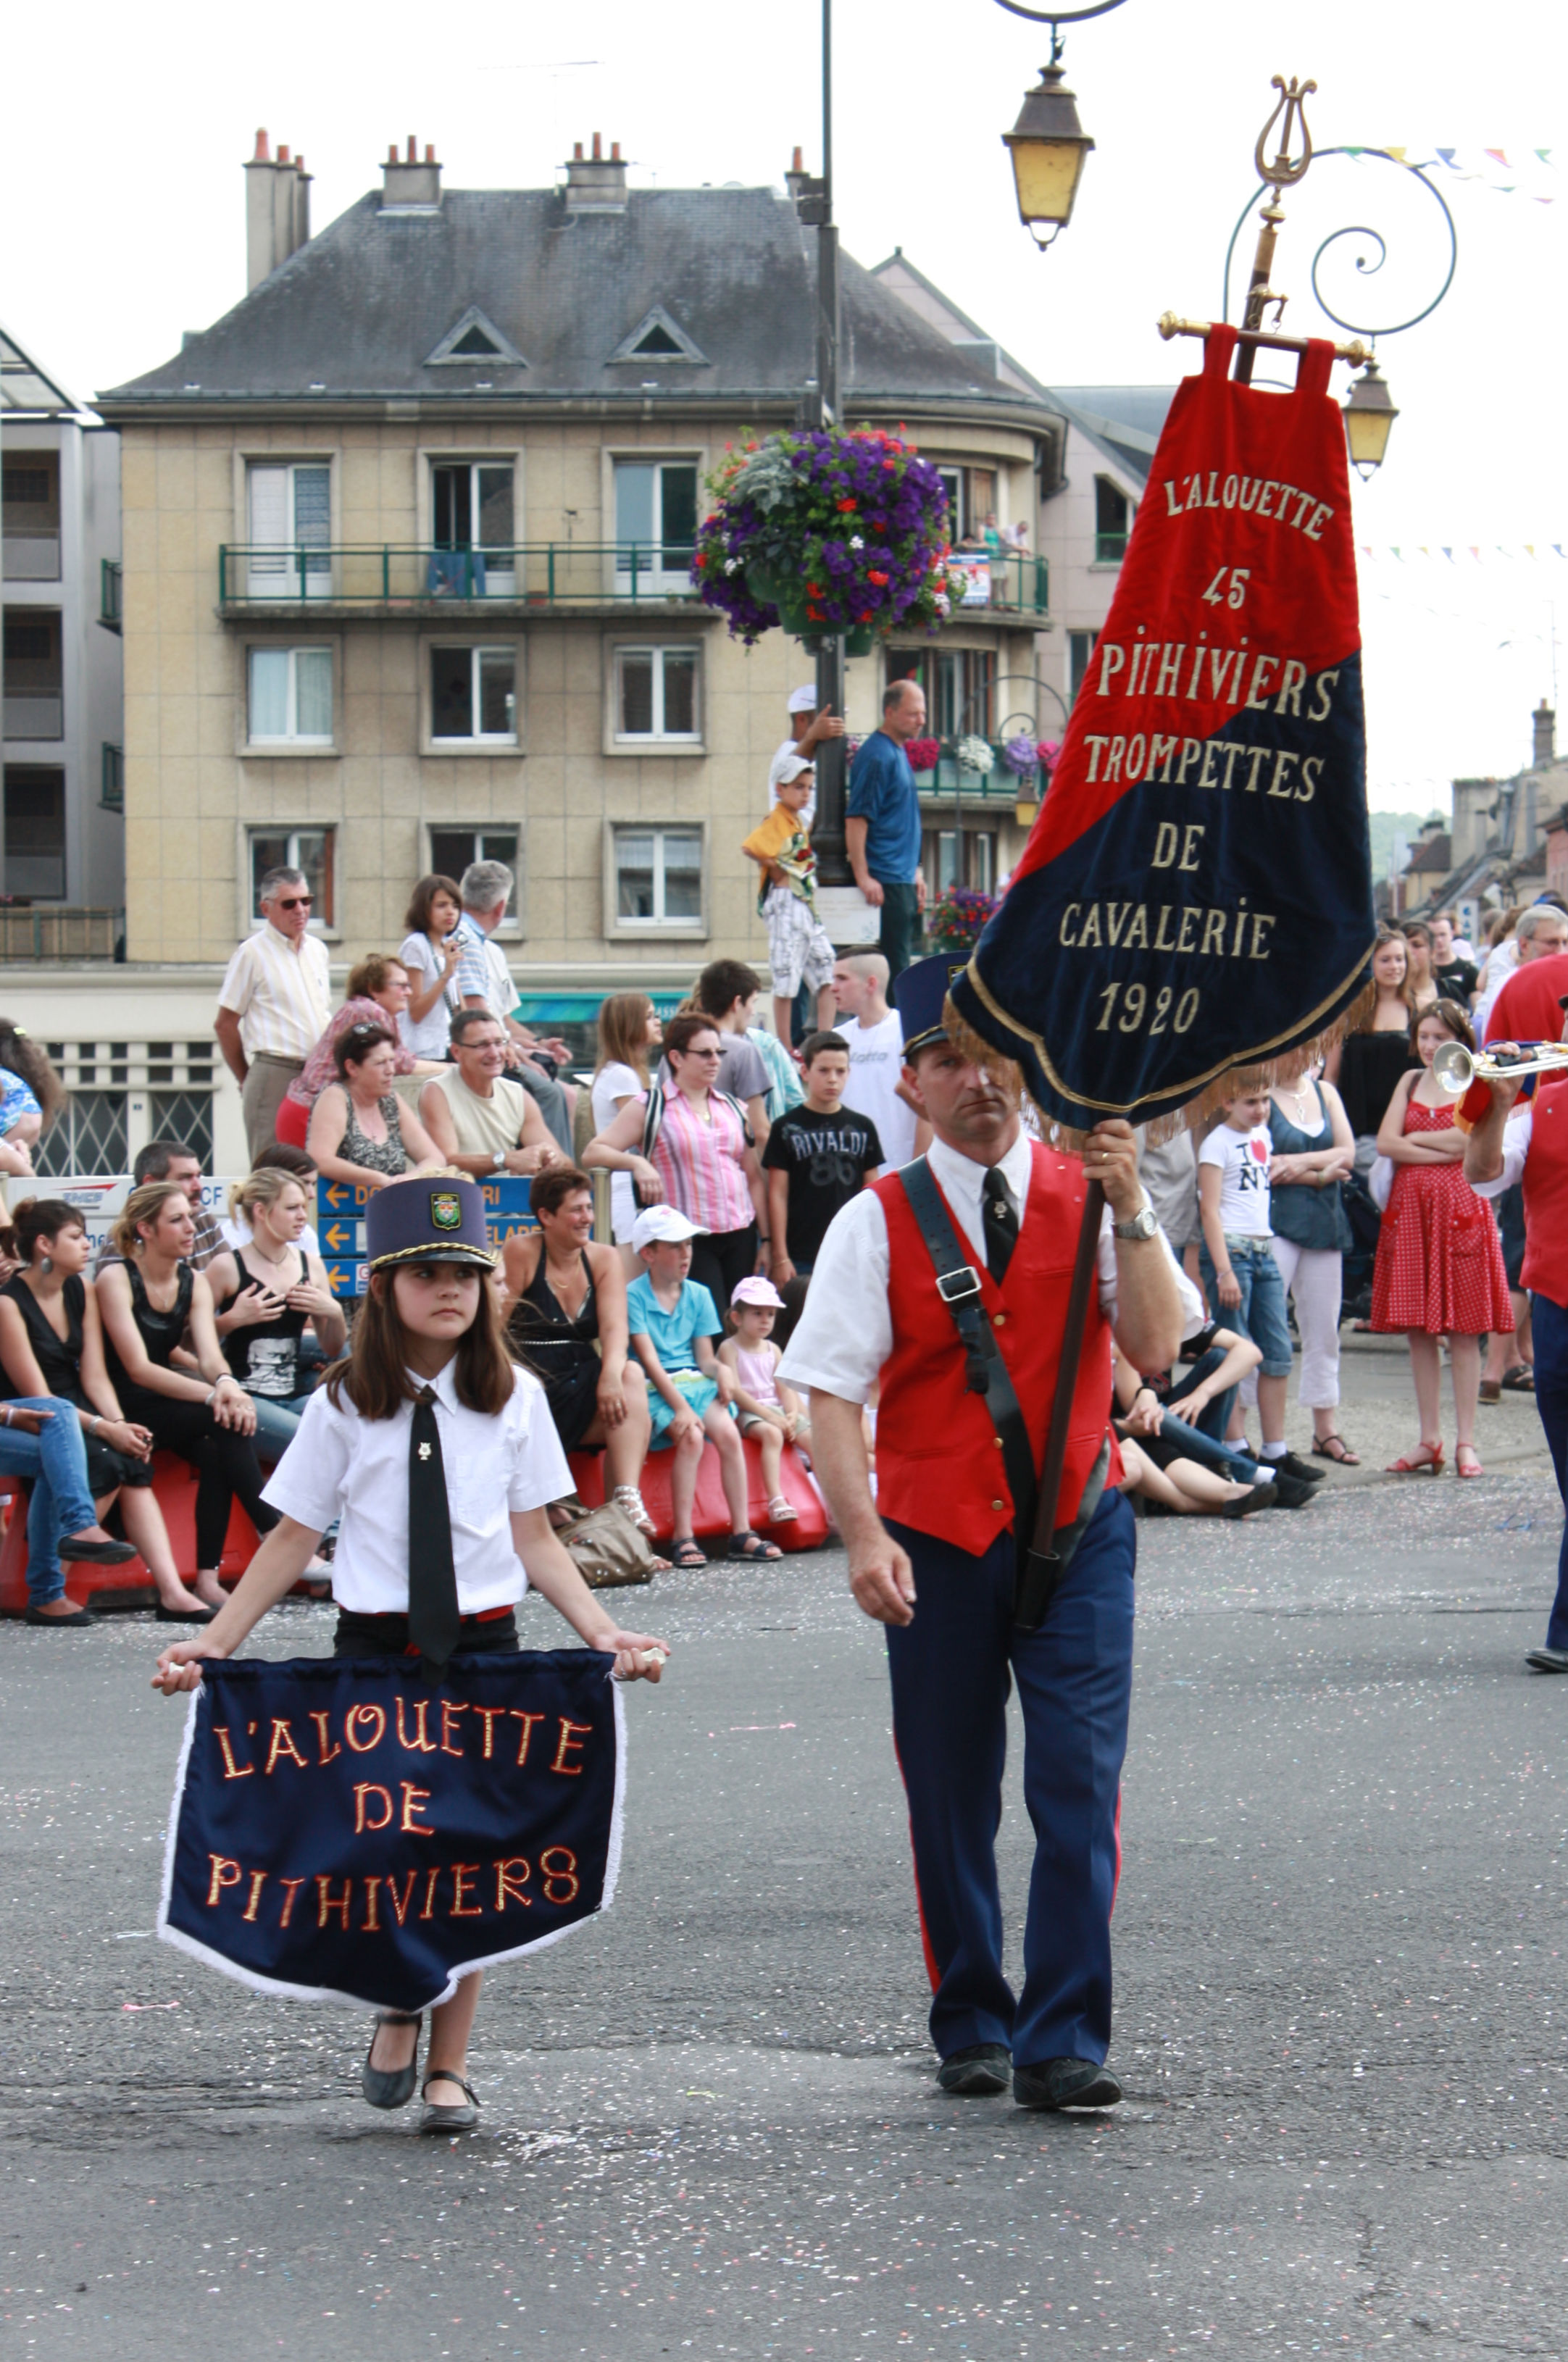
(1048, 144)
(1369, 417)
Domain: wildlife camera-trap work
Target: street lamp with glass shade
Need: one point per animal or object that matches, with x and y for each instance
(1047, 145)
(1369, 415)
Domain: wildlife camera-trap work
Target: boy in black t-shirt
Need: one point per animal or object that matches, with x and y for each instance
(818, 1158)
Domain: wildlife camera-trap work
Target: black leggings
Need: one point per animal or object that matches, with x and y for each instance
(225, 1463)
(720, 1261)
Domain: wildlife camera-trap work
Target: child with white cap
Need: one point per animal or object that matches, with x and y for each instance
(808, 728)
(764, 1408)
(672, 1321)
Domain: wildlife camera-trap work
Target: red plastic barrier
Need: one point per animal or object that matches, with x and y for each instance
(710, 1512)
(174, 1487)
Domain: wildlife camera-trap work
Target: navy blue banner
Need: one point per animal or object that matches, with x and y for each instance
(346, 1830)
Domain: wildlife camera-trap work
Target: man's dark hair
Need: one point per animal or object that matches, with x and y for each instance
(284, 1157)
(815, 1043)
(465, 1019)
(893, 695)
(152, 1161)
(723, 982)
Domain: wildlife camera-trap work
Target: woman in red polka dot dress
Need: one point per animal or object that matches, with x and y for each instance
(1440, 1264)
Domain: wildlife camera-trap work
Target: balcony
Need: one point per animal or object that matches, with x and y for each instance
(109, 581)
(34, 714)
(387, 578)
(31, 557)
(952, 781)
(59, 933)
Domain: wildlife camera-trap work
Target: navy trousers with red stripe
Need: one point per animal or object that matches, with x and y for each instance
(950, 1673)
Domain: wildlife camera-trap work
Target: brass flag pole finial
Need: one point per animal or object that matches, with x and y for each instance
(1292, 105)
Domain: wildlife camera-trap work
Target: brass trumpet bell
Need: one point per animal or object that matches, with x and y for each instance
(1454, 1067)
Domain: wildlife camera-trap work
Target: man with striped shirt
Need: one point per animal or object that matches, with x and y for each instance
(275, 1003)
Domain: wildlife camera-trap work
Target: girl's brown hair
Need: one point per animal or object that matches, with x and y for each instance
(1407, 989)
(143, 1205)
(375, 1376)
(36, 1219)
(623, 1034)
(416, 918)
(1454, 1021)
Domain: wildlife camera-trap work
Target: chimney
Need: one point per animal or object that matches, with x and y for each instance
(409, 187)
(1545, 727)
(277, 210)
(596, 184)
(795, 179)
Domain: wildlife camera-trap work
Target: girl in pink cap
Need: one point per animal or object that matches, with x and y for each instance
(770, 1412)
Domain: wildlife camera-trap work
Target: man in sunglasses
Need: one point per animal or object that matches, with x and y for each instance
(275, 1003)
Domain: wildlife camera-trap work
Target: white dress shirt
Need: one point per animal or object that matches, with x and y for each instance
(1517, 1133)
(281, 996)
(845, 1333)
(340, 1465)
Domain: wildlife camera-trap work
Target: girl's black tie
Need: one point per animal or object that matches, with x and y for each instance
(433, 1618)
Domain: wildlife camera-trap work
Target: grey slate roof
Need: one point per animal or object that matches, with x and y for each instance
(358, 311)
(1124, 421)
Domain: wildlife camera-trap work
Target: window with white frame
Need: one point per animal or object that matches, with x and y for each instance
(290, 701)
(656, 696)
(288, 526)
(656, 525)
(452, 849)
(658, 877)
(474, 696)
(311, 850)
(471, 511)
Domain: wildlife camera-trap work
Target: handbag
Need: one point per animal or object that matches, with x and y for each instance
(606, 1546)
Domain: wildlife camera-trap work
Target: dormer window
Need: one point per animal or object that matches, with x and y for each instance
(475, 338)
(658, 337)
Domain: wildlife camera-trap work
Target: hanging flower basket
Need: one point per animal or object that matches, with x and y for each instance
(924, 754)
(976, 755)
(825, 531)
(957, 920)
(1021, 757)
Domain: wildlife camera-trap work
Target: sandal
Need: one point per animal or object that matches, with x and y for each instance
(627, 1498)
(752, 1546)
(460, 2118)
(686, 1554)
(781, 1512)
(1519, 1380)
(1459, 1467)
(1426, 1464)
(1322, 1448)
(392, 2087)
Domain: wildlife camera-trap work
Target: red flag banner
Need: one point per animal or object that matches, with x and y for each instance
(1196, 891)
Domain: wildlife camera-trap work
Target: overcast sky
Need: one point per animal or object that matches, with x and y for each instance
(124, 138)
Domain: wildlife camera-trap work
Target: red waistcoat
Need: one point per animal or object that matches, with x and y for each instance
(1546, 1195)
(938, 1464)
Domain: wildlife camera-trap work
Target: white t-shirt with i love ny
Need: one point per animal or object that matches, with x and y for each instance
(1243, 1158)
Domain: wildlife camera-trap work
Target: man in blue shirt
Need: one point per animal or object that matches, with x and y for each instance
(881, 826)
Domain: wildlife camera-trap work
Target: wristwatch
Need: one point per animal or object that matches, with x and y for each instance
(1142, 1225)
(498, 1160)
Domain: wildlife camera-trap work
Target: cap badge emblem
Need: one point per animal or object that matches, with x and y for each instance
(446, 1209)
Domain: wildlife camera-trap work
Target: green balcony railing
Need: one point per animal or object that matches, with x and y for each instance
(999, 785)
(112, 779)
(391, 575)
(109, 592)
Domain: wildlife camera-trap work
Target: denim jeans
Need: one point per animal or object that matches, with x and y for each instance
(54, 1462)
(1215, 1416)
(1260, 1312)
(277, 1423)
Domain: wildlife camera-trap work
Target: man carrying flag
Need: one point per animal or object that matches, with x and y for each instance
(949, 1283)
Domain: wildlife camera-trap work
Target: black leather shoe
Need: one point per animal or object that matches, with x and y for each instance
(1302, 1470)
(1291, 1492)
(162, 1615)
(462, 2117)
(392, 2087)
(1262, 1496)
(977, 2073)
(76, 1551)
(1065, 2083)
(31, 1615)
(1543, 1661)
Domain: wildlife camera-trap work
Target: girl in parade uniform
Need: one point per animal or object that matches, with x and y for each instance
(428, 1347)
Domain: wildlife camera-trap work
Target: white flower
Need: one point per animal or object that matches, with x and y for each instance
(732, 566)
(856, 542)
(975, 755)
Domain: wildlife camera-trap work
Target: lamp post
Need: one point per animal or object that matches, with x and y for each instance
(814, 206)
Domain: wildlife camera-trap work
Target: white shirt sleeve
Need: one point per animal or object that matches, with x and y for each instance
(846, 1330)
(539, 1470)
(306, 1484)
(239, 981)
(1517, 1133)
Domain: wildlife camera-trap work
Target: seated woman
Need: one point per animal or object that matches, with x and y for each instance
(564, 1296)
(51, 1343)
(267, 1292)
(360, 1131)
(148, 1303)
(378, 994)
(1177, 1464)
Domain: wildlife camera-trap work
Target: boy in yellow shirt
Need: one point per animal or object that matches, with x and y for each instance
(797, 946)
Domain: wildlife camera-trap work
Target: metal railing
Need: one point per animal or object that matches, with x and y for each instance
(424, 580)
(109, 581)
(62, 931)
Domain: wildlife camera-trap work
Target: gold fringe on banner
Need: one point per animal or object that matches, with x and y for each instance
(1198, 1113)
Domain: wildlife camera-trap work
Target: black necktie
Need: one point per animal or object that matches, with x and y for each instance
(1000, 1223)
(434, 1620)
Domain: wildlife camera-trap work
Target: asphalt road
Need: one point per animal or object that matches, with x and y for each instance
(710, 2125)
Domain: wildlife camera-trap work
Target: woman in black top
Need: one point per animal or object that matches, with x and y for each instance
(567, 1322)
(267, 1294)
(1365, 1066)
(147, 1303)
(51, 1342)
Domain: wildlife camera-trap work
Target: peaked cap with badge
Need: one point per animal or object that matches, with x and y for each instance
(429, 1218)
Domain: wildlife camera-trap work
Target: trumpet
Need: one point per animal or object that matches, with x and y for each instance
(1454, 1067)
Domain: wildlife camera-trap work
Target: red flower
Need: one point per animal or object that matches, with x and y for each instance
(845, 506)
(867, 617)
(813, 591)
(699, 559)
(878, 578)
(889, 463)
